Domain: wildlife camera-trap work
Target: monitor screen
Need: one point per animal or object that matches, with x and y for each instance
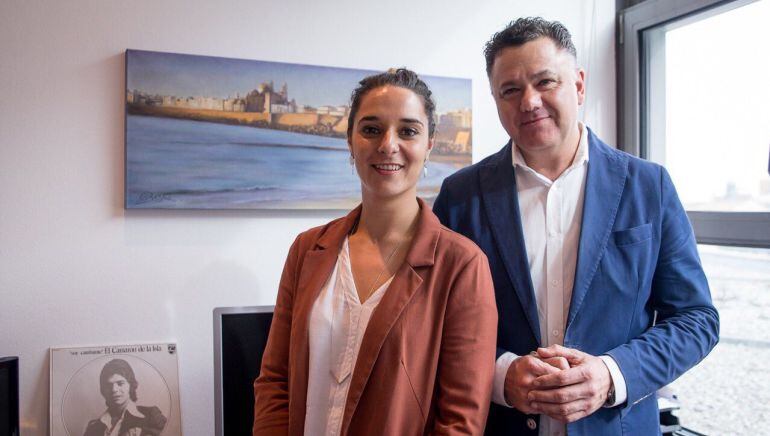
(240, 336)
(9, 396)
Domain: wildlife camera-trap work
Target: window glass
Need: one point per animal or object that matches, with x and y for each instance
(710, 121)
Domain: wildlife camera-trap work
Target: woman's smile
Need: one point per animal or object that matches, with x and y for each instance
(387, 169)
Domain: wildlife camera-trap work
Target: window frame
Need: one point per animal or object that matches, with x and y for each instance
(636, 82)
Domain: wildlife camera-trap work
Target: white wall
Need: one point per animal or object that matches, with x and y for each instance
(77, 269)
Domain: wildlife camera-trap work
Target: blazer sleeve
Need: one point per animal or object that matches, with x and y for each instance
(467, 359)
(271, 388)
(688, 324)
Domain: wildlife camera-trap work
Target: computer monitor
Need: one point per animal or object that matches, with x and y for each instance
(9, 396)
(240, 336)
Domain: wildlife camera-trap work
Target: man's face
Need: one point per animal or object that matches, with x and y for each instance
(537, 89)
(118, 390)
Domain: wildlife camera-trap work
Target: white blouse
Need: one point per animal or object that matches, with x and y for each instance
(337, 325)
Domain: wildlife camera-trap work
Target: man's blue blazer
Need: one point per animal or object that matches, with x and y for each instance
(636, 257)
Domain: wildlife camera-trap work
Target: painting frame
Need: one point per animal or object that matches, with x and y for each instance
(264, 139)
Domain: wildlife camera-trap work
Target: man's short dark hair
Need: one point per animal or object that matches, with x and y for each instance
(524, 30)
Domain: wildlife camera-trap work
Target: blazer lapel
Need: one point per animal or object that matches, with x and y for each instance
(498, 191)
(605, 180)
(316, 268)
(405, 284)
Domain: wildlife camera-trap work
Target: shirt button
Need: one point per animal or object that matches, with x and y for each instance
(531, 424)
(554, 282)
(555, 333)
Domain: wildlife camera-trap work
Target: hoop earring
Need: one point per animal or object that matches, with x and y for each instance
(425, 169)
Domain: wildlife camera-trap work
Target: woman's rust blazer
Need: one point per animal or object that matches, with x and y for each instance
(426, 361)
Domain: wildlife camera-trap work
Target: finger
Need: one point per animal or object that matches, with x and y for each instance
(559, 411)
(560, 395)
(557, 362)
(572, 417)
(574, 375)
(536, 367)
(525, 408)
(570, 354)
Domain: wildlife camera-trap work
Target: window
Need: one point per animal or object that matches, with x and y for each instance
(712, 131)
(694, 96)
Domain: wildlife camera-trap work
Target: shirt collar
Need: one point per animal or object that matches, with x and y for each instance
(421, 252)
(130, 409)
(581, 155)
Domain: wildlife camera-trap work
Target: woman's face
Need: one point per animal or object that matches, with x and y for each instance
(390, 142)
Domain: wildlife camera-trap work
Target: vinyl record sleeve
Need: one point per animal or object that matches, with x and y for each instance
(135, 386)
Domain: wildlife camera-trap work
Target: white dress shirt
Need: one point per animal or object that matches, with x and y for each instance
(551, 217)
(115, 429)
(338, 321)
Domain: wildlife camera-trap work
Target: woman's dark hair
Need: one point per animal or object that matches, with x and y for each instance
(121, 368)
(402, 78)
(524, 30)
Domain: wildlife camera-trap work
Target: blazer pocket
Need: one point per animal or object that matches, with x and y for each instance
(633, 235)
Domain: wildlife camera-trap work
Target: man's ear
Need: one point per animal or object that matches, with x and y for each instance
(580, 84)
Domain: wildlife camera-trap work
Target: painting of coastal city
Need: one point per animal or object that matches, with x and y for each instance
(217, 133)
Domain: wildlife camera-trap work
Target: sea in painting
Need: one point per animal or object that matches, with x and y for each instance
(215, 133)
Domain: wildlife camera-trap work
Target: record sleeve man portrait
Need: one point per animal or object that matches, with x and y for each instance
(123, 417)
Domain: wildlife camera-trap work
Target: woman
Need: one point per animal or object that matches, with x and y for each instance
(385, 320)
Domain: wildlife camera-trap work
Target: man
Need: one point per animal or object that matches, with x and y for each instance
(601, 296)
(123, 417)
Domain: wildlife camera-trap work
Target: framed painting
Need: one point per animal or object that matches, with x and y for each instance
(217, 133)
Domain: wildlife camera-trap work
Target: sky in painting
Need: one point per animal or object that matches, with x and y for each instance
(188, 75)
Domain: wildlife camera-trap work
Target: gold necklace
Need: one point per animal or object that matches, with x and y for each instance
(387, 261)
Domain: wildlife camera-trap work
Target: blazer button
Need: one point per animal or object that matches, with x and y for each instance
(531, 424)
